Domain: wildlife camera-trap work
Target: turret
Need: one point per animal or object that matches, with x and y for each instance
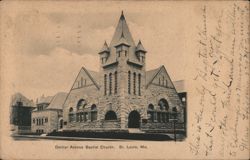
(104, 53)
(140, 52)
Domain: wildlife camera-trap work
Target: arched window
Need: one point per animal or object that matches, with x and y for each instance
(151, 112)
(81, 104)
(129, 82)
(93, 107)
(159, 81)
(115, 82)
(71, 109)
(93, 112)
(134, 81)
(166, 84)
(110, 83)
(163, 81)
(105, 84)
(139, 84)
(163, 103)
(150, 107)
(71, 115)
(110, 115)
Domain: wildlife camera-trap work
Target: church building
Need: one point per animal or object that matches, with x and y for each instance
(123, 95)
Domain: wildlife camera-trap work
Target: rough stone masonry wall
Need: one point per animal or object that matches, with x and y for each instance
(155, 93)
(49, 126)
(89, 93)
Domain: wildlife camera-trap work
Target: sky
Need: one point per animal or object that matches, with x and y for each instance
(51, 43)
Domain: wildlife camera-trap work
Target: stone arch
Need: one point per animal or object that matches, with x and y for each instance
(60, 123)
(93, 107)
(134, 119)
(81, 104)
(93, 114)
(150, 106)
(110, 115)
(71, 114)
(163, 103)
(71, 110)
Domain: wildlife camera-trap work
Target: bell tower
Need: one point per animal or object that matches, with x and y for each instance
(122, 69)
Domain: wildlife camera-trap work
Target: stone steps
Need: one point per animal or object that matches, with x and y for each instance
(135, 130)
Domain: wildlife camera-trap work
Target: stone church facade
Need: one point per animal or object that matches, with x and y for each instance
(122, 94)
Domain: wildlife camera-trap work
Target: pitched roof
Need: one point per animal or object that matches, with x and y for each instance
(151, 74)
(57, 101)
(94, 76)
(140, 47)
(154, 73)
(180, 85)
(43, 99)
(18, 97)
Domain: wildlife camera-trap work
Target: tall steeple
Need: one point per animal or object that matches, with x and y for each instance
(122, 30)
(122, 40)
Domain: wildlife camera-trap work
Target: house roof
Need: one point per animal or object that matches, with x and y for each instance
(18, 97)
(57, 101)
(43, 99)
(180, 86)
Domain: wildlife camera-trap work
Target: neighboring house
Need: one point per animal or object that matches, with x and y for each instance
(20, 113)
(182, 92)
(181, 89)
(47, 117)
(123, 94)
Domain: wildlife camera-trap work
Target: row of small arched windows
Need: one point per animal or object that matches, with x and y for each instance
(163, 115)
(82, 115)
(136, 83)
(108, 89)
(163, 81)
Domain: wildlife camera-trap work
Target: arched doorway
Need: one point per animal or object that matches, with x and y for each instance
(110, 115)
(134, 119)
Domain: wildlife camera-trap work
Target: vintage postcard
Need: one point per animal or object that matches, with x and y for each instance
(124, 79)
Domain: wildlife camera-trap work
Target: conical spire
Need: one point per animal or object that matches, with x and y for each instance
(105, 48)
(122, 31)
(140, 47)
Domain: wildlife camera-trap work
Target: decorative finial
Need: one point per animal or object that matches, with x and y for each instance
(122, 16)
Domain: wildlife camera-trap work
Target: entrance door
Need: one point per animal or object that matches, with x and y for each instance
(134, 120)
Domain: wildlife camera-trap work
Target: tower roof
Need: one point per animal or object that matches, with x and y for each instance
(105, 48)
(122, 32)
(140, 47)
(123, 36)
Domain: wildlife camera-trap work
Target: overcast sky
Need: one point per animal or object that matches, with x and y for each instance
(51, 45)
